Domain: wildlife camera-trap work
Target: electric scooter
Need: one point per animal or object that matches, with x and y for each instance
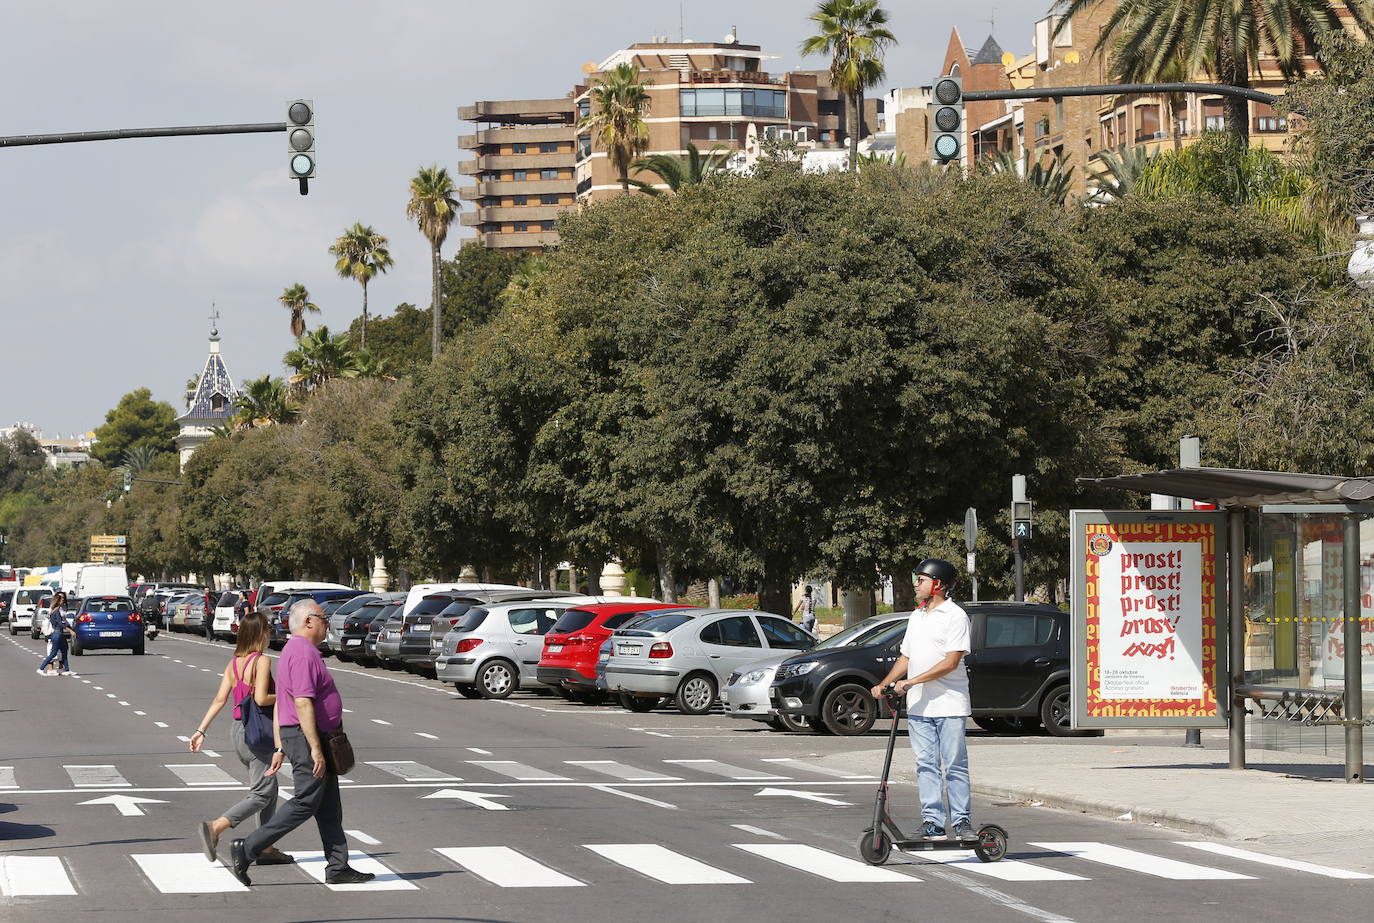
(989, 843)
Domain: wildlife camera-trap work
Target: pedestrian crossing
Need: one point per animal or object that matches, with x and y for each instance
(735, 864)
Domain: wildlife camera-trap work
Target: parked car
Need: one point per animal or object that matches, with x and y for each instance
(107, 622)
(375, 628)
(494, 649)
(330, 645)
(351, 621)
(568, 660)
(1018, 668)
(174, 610)
(422, 634)
(225, 623)
(746, 693)
(690, 654)
(195, 620)
(603, 655)
(24, 605)
(280, 624)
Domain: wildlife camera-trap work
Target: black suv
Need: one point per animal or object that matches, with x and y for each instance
(1018, 673)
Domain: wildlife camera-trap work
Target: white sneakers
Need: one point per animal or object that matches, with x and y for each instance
(41, 672)
(67, 673)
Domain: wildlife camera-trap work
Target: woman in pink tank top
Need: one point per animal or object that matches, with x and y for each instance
(249, 673)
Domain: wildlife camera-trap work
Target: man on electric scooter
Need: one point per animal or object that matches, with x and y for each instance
(930, 671)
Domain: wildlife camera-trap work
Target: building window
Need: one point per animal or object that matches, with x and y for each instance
(522, 200)
(1183, 126)
(770, 104)
(584, 108)
(549, 173)
(1214, 123)
(546, 225)
(548, 147)
(519, 226)
(518, 148)
(584, 147)
(1147, 123)
(217, 402)
(519, 175)
(1059, 112)
(548, 198)
(1271, 124)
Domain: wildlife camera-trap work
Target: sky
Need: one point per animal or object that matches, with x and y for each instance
(113, 253)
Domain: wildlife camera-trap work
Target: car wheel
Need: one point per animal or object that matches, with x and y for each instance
(1056, 713)
(497, 679)
(795, 724)
(467, 690)
(638, 703)
(848, 710)
(696, 694)
(991, 725)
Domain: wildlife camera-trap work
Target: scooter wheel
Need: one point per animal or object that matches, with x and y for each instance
(875, 848)
(992, 843)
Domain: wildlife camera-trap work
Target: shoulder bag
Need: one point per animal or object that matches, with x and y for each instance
(257, 725)
(338, 752)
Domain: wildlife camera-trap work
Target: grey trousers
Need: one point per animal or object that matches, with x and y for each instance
(262, 790)
(317, 798)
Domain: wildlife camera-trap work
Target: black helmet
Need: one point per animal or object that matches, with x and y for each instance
(940, 570)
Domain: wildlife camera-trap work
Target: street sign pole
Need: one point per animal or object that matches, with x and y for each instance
(1020, 529)
(970, 541)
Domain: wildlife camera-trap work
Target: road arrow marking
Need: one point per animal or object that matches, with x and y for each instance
(475, 798)
(809, 796)
(128, 806)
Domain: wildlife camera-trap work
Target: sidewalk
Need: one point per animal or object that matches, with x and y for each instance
(1297, 805)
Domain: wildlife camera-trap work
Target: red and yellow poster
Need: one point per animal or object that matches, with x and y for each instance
(1148, 620)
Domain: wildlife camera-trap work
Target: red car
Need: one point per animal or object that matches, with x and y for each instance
(568, 663)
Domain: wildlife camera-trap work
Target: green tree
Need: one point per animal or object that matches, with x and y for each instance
(296, 299)
(264, 401)
(360, 253)
(855, 35)
(1050, 178)
(620, 100)
(401, 339)
(318, 357)
(678, 171)
(137, 420)
(432, 207)
(473, 282)
(1145, 39)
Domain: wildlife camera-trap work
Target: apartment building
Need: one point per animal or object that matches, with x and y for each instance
(530, 163)
(523, 168)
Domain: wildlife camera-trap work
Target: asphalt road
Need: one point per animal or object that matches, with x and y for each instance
(535, 809)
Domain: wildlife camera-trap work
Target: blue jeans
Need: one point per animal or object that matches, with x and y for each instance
(57, 644)
(938, 743)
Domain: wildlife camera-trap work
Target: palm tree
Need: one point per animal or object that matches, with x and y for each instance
(1121, 170)
(433, 207)
(1224, 38)
(318, 357)
(138, 460)
(297, 300)
(619, 101)
(677, 171)
(366, 365)
(854, 33)
(1050, 179)
(264, 401)
(360, 254)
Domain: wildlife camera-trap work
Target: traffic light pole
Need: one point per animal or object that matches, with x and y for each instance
(175, 131)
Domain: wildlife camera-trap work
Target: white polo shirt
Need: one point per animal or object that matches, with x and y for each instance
(930, 635)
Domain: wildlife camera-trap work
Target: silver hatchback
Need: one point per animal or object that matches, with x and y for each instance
(494, 649)
(690, 654)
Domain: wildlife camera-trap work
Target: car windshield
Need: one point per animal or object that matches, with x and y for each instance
(387, 612)
(866, 632)
(351, 606)
(228, 599)
(110, 604)
(457, 607)
(471, 620)
(572, 620)
(662, 623)
(431, 605)
(273, 599)
(30, 597)
(330, 606)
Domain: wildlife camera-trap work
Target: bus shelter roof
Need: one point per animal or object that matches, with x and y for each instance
(1239, 487)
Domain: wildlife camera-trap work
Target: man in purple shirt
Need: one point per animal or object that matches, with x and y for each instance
(308, 706)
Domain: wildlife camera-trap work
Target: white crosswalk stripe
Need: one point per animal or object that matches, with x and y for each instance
(717, 768)
(519, 771)
(7, 777)
(507, 868)
(202, 774)
(1145, 863)
(1291, 864)
(312, 863)
(411, 771)
(1005, 869)
(824, 864)
(34, 876)
(792, 763)
(187, 873)
(622, 771)
(96, 777)
(662, 864)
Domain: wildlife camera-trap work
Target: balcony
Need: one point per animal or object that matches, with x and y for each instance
(515, 187)
(530, 213)
(719, 76)
(520, 111)
(514, 162)
(516, 135)
(526, 240)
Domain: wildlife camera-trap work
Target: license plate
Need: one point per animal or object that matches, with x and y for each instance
(420, 629)
(353, 643)
(629, 650)
(111, 634)
(555, 648)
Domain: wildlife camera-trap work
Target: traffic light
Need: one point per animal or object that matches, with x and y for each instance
(1021, 513)
(947, 120)
(300, 140)
(128, 481)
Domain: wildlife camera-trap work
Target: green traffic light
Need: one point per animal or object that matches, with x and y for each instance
(302, 165)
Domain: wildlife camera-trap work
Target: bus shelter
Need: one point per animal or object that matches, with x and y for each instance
(1294, 620)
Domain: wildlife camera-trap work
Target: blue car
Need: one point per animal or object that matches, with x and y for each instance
(106, 622)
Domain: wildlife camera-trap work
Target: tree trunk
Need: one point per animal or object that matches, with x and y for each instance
(852, 124)
(594, 576)
(362, 340)
(903, 593)
(435, 309)
(1232, 69)
(667, 582)
(775, 593)
(713, 593)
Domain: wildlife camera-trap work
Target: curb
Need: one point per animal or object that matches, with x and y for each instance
(1110, 811)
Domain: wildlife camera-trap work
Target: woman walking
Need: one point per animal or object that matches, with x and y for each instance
(61, 628)
(247, 674)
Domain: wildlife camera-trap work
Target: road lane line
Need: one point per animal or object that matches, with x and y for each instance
(200, 774)
(758, 831)
(380, 721)
(125, 704)
(479, 750)
(633, 797)
(506, 868)
(363, 838)
(96, 776)
(312, 863)
(622, 771)
(824, 864)
(1005, 869)
(426, 736)
(716, 767)
(519, 771)
(187, 873)
(34, 876)
(160, 724)
(141, 714)
(662, 864)
(411, 771)
(1294, 864)
(1145, 863)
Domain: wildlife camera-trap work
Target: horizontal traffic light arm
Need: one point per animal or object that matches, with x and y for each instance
(1121, 89)
(176, 131)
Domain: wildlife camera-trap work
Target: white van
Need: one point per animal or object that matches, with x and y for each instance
(25, 603)
(102, 580)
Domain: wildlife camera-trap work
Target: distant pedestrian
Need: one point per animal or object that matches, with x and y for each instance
(930, 670)
(807, 606)
(247, 673)
(61, 630)
(308, 707)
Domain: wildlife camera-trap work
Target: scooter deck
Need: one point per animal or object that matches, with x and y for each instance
(928, 845)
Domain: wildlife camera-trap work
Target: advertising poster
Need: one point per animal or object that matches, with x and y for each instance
(1149, 619)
